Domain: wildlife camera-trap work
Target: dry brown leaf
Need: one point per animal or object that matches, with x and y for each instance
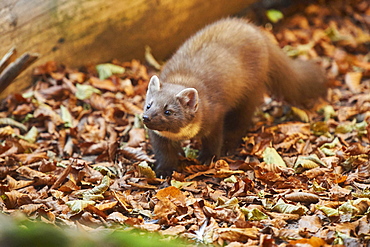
(136, 136)
(69, 186)
(353, 80)
(16, 199)
(98, 102)
(131, 108)
(136, 154)
(173, 230)
(238, 234)
(315, 172)
(6, 131)
(127, 87)
(94, 210)
(150, 227)
(106, 206)
(117, 217)
(313, 242)
(302, 197)
(311, 223)
(46, 111)
(364, 226)
(30, 173)
(29, 209)
(103, 84)
(14, 184)
(173, 194)
(142, 186)
(288, 234)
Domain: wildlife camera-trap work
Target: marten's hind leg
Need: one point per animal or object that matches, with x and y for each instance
(236, 125)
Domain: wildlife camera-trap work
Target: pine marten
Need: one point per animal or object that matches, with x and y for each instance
(212, 85)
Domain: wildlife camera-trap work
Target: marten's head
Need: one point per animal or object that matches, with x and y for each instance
(170, 110)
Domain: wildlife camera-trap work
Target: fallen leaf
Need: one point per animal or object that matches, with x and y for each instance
(107, 69)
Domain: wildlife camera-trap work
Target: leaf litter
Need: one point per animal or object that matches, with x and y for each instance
(73, 152)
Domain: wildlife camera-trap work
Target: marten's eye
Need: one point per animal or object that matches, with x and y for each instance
(148, 106)
(167, 112)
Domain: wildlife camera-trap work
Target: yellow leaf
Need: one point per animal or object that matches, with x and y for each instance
(271, 156)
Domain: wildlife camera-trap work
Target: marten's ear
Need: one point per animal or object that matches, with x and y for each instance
(189, 98)
(154, 84)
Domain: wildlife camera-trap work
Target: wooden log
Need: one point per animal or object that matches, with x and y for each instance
(92, 31)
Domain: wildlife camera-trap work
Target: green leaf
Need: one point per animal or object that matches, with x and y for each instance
(361, 126)
(28, 94)
(346, 127)
(333, 33)
(328, 112)
(66, 117)
(301, 114)
(150, 58)
(12, 122)
(271, 156)
(332, 144)
(85, 91)
(106, 70)
(93, 197)
(286, 208)
(190, 153)
(348, 208)
(320, 128)
(179, 184)
(31, 135)
(138, 121)
(316, 187)
(96, 193)
(231, 179)
(77, 206)
(328, 148)
(27, 117)
(307, 162)
(146, 170)
(231, 203)
(106, 170)
(294, 51)
(362, 194)
(274, 15)
(328, 211)
(253, 214)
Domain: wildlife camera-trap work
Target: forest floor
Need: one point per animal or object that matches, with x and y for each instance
(75, 155)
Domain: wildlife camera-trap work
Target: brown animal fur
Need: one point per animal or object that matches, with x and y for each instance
(213, 84)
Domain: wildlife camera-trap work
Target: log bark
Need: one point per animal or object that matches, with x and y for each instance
(92, 31)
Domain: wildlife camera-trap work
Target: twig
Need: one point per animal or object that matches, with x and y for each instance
(15, 68)
(62, 176)
(7, 58)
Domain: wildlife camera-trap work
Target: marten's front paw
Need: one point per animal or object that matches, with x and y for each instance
(164, 172)
(205, 158)
(165, 169)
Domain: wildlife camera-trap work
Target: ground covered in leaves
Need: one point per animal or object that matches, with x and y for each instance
(73, 152)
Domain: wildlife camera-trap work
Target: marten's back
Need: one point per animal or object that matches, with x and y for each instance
(227, 58)
(237, 61)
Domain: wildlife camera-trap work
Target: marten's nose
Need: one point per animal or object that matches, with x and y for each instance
(146, 119)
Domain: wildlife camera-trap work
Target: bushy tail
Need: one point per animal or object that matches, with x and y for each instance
(297, 82)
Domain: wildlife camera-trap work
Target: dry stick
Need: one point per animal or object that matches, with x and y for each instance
(15, 68)
(7, 58)
(62, 176)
